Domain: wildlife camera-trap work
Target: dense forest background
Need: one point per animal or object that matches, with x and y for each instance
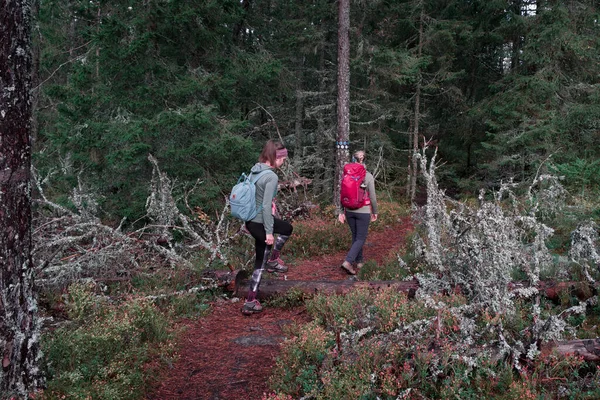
(499, 86)
(146, 112)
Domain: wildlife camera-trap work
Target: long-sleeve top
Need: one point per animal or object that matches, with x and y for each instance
(266, 188)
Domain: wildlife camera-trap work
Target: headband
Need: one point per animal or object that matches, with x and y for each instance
(281, 153)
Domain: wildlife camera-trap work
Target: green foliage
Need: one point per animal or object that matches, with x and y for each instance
(107, 348)
(103, 354)
(327, 359)
(296, 370)
(82, 303)
(291, 299)
(317, 236)
(580, 174)
(391, 270)
(165, 80)
(189, 305)
(341, 312)
(537, 109)
(201, 86)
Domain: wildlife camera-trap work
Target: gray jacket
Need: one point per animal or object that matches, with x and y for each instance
(266, 188)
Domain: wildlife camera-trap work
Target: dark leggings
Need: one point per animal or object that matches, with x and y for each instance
(257, 231)
(359, 225)
(280, 227)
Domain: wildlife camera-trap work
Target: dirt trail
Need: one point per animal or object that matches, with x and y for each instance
(227, 356)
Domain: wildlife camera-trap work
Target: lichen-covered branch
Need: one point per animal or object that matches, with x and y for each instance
(478, 247)
(75, 244)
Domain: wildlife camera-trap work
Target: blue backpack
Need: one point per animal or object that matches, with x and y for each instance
(242, 199)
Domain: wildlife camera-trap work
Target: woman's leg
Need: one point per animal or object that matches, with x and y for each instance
(351, 221)
(262, 254)
(359, 224)
(284, 230)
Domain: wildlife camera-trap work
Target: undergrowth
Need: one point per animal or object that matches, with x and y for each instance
(469, 333)
(104, 351)
(381, 345)
(112, 347)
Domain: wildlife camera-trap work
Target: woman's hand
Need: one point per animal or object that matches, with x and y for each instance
(342, 218)
(373, 217)
(270, 240)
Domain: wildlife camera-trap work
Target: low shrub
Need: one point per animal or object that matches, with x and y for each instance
(297, 369)
(102, 353)
(392, 270)
(292, 298)
(379, 344)
(316, 236)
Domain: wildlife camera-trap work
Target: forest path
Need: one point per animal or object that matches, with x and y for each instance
(228, 356)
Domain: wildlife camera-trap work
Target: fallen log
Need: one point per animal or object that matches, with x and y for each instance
(588, 349)
(272, 288)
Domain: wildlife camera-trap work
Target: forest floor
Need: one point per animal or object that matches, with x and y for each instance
(226, 355)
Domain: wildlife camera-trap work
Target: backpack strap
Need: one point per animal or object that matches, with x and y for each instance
(254, 177)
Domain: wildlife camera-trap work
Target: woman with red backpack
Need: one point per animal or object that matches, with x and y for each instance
(359, 204)
(265, 224)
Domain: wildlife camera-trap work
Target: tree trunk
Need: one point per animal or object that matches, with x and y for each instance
(417, 116)
(326, 185)
(298, 124)
(19, 324)
(589, 349)
(343, 106)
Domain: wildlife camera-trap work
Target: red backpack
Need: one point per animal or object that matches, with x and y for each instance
(353, 193)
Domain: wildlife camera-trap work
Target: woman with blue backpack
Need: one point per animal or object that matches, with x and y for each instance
(359, 208)
(265, 225)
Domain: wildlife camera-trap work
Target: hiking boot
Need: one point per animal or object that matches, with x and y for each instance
(251, 307)
(348, 268)
(276, 266)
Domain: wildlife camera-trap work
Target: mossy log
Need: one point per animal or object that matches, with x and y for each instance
(588, 349)
(237, 282)
(273, 288)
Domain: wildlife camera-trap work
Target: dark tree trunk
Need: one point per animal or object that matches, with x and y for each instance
(343, 105)
(298, 124)
(19, 325)
(238, 27)
(417, 117)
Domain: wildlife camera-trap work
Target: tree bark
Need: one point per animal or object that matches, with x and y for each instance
(343, 106)
(19, 324)
(298, 123)
(417, 116)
